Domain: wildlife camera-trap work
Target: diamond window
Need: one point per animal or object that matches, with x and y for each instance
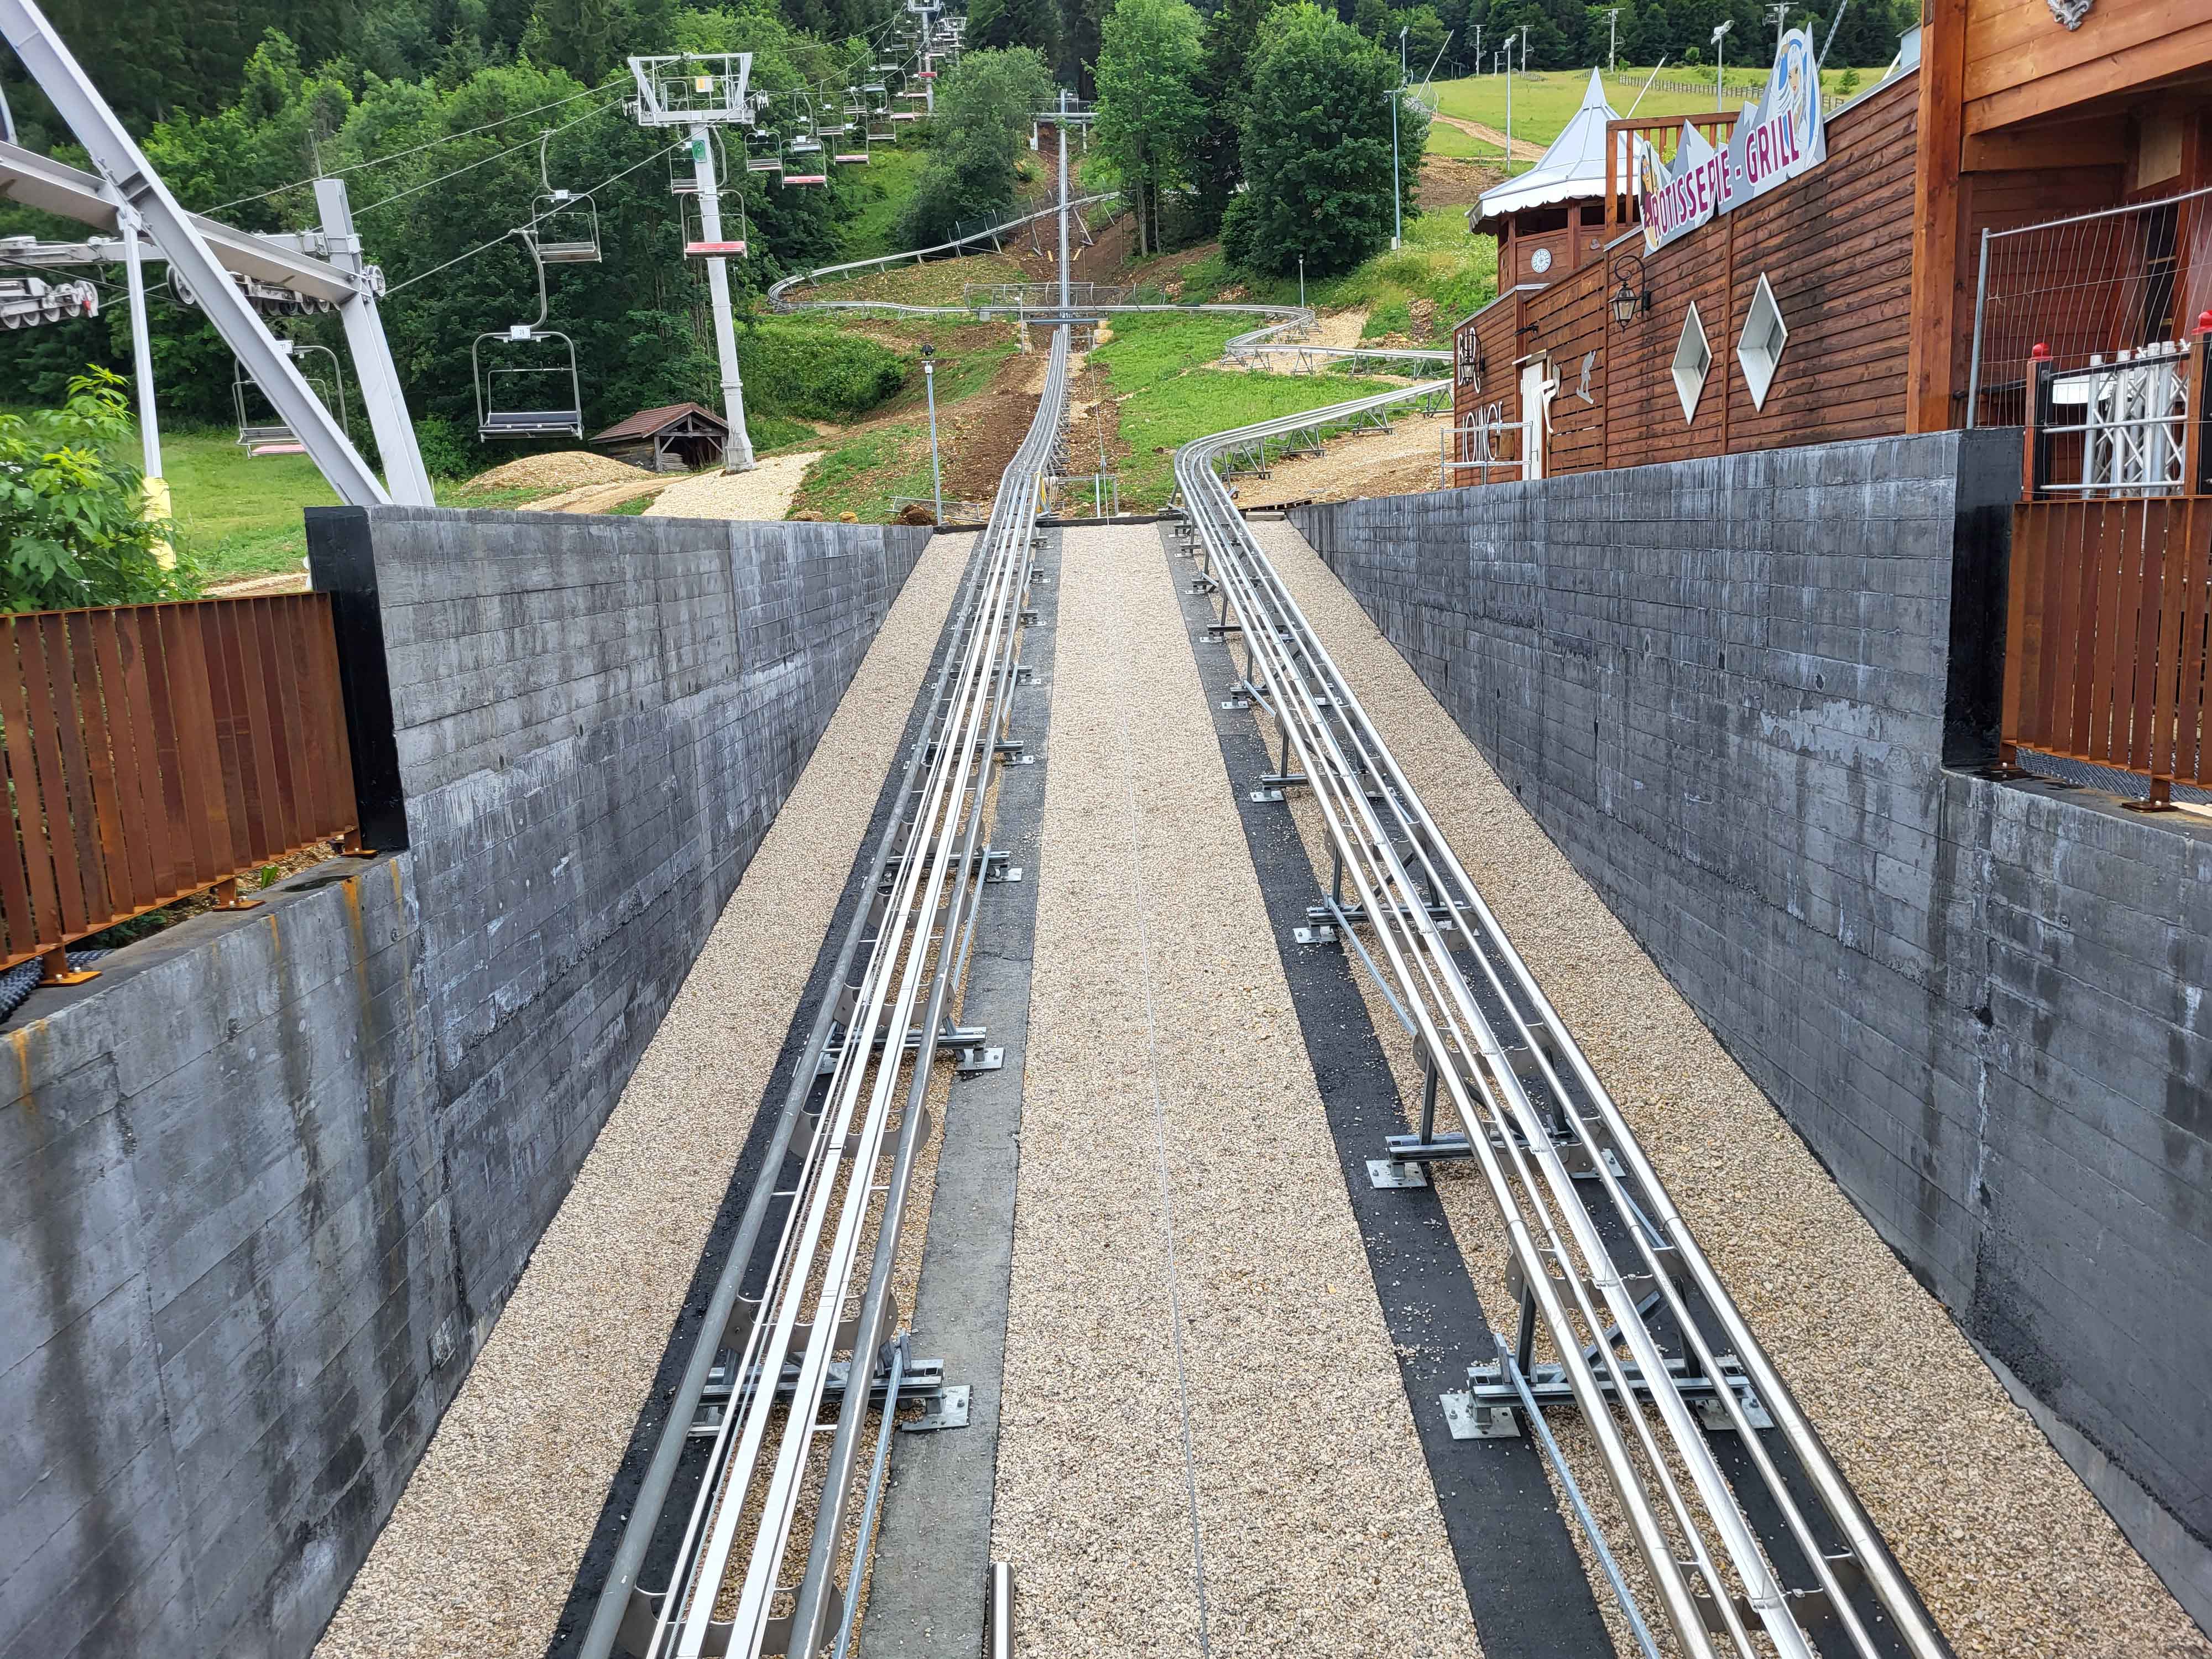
(1759, 349)
(1694, 361)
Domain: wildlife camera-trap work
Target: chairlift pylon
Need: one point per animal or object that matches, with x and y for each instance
(272, 436)
(496, 381)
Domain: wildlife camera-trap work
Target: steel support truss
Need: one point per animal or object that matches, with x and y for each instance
(202, 254)
(832, 1192)
(1602, 1264)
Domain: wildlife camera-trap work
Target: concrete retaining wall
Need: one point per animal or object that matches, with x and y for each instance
(1726, 688)
(271, 1177)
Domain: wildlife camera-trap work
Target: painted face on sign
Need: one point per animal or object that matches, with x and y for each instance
(1794, 98)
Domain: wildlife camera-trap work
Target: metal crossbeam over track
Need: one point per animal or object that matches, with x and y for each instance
(1541, 1127)
(824, 1307)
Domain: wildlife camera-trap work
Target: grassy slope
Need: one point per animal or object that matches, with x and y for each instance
(1168, 396)
(241, 517)
(892, 170)
(1440, 264)
(867, 464)
(1544, 102)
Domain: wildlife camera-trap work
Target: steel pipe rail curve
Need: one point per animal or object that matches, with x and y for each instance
(778, 290)
(860, 1093)
(1489, 1039)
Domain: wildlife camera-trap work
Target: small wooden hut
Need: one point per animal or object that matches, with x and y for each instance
(680, 438)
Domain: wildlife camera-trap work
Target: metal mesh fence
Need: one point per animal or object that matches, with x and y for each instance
(2098, 292)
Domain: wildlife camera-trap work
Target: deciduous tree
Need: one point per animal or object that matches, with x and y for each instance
(1149, 113)
(1316, 148)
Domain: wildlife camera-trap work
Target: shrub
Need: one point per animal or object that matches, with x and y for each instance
(446, 454)
(72, 525)
(816, 372)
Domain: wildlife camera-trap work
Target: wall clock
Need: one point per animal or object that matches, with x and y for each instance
(1541, 260)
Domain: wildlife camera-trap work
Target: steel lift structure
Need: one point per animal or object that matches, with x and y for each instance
(125, 200)
(1637, 1331)
(706, 95)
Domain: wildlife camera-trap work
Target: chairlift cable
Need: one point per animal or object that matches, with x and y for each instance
(612, 84)
(469, 166)
(506, 235)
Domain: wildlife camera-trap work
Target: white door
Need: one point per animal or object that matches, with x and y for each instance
(1536, 389)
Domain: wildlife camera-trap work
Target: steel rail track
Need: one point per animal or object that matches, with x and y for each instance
(860, 1092)
(1488, 1035)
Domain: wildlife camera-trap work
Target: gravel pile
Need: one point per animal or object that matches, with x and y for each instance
(2012, 1555)
(564, 469)
(766, 492)
(1174, 1154)
(483, 1548)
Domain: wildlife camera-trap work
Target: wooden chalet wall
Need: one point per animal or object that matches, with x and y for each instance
(1836, 246)
(2019, 65)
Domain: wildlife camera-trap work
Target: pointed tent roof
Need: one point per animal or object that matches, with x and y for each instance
(1573, 168)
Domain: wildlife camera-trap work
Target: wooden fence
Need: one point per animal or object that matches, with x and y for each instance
(2105, 649)
(155, 751)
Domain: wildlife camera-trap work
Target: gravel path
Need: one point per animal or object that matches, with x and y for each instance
(1175, 1158)
(483, 1548)
(766, 492)
(2013, 1556)
(1401, 461)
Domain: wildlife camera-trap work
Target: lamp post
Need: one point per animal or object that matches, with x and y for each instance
(1720, 93)
(1397, 193)
(929, 385)
(1612, 37)
(1508, 101)
(1302, 282)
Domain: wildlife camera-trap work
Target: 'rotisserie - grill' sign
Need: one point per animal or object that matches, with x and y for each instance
(1775, 140)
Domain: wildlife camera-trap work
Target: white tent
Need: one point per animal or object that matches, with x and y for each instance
(1572, 170)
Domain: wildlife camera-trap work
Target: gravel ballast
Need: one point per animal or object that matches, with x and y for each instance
(2012, 1553)
(1174, 1155)
(480, 1553)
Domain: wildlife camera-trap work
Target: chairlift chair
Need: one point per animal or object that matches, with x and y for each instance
(695, 245)
(269, 434)
(564, 226)
(501, 411)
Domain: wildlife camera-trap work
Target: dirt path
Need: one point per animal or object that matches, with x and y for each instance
(1522, 149)
(766, 492)
(598, 497)
(1399, 462)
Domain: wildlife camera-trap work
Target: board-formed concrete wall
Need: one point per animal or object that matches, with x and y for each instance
(271, 1178)
(1722, 687)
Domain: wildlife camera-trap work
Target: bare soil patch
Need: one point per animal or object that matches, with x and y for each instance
(564, 469)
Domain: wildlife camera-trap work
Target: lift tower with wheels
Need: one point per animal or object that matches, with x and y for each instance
(701, 92)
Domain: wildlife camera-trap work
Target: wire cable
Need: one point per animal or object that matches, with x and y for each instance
(416, 149)
(482, 161)
(534, 221)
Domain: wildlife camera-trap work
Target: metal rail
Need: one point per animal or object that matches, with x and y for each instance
(1539, 1124)
(859, 1094)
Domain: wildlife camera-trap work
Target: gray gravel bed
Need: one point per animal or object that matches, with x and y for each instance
(2012, 1553)
(483, 1548)
(1154, 970)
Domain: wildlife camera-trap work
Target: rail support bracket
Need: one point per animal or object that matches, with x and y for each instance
(1469, 1418)
(1388, 1174)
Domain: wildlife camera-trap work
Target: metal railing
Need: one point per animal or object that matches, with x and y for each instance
(155, 751)
(2084, 290)
(1489, 445)
(814, 1323)
(1539, 1124)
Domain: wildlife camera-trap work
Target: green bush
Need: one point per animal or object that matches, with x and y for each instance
(445, 453)
(72, 525)
(816, 371)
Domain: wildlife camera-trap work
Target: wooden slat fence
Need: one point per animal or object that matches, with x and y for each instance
(155, 751)
(2105, 649)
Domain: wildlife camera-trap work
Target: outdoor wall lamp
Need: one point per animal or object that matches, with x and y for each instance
(1630, 299)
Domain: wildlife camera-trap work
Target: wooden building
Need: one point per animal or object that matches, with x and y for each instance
(680, 438)
(1550, 221)
(2013, 228)
(1842, 302)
